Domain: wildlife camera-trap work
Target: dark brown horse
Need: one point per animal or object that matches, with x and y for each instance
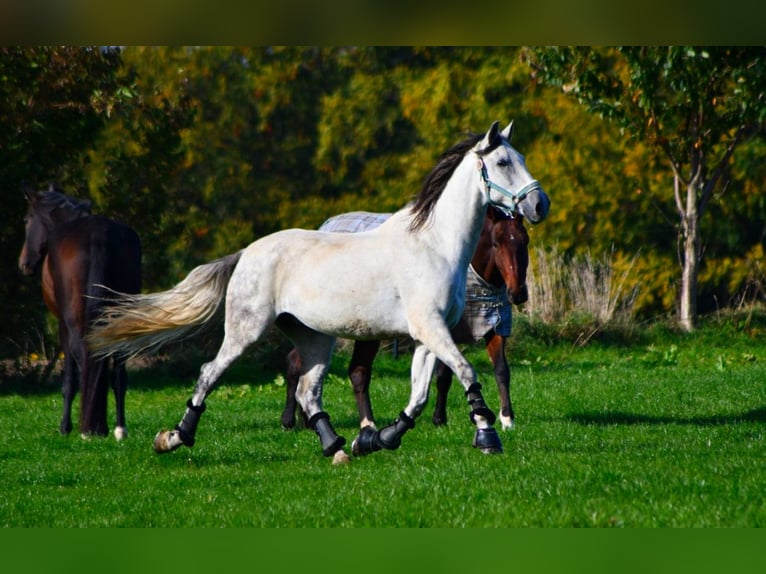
(83, 257)
(498, 270)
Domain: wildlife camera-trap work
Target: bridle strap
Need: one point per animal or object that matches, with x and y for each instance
(517, 196)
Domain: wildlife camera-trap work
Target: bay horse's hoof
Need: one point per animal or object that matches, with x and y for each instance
(167, 441)
(439, 419)
(120, 433)
(488, 441)
(506, 422)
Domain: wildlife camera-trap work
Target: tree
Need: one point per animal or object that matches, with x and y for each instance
(131, 167)
(693, 106)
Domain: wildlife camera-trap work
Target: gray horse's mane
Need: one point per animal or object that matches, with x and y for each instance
(436, 181)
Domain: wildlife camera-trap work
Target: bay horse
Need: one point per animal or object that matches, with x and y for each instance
(82, 256)
(409, 280)
(498, 270)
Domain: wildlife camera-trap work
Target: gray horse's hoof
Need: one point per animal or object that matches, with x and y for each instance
(366, 442)
(167, 441)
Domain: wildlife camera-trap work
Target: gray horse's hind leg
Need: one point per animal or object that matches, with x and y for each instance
(245, 323)
(185, 431)
(315, 351)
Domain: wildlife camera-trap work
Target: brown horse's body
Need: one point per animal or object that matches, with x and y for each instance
(500, 260)
(80, 253)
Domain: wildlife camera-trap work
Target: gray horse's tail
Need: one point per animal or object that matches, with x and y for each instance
(139, 324)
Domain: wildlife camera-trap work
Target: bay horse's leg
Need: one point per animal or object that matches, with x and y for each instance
(360, 373)
(70, 381)
(70, 377)
(293, 374)
(443, 384)
(94, 392)
(496, 352)
(119, 386)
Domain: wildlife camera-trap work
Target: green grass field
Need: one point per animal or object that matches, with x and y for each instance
(666, 430)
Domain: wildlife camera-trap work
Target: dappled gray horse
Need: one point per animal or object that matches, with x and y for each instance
(409, 278)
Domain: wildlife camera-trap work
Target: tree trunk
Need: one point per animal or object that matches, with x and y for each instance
(690, 260)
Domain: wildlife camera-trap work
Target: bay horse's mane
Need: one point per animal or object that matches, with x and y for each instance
(436, 181)
(48, 201)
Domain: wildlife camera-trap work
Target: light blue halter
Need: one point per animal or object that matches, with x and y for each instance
(517, 197)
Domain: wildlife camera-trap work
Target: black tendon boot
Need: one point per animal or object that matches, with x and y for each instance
(187, 428)
(478, 406)
(331, 442)
(485, 439)
(389, 437)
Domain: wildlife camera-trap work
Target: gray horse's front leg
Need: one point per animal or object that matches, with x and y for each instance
(390, 437)
(486, 438)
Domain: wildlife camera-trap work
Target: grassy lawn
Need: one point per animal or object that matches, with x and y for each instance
(665, 430)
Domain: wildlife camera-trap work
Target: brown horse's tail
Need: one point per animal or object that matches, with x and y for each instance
(138, 324)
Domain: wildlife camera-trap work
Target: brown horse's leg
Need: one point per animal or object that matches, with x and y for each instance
(496, 352)
(70, 380)
(360, 373)
(70, 377)
(119, 386)
(443, 384)
(291, 384)
(93, 397)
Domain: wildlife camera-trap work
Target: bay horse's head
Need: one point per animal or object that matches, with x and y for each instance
(509, 253)
(46, 210)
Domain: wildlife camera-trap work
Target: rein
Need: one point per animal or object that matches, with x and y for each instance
(517, 197)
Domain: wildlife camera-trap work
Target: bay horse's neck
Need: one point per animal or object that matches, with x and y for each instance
(459, 214)
(483, 260)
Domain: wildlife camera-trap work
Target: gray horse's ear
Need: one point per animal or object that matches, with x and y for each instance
(507, 133)
(29, 192)
(490, 136)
